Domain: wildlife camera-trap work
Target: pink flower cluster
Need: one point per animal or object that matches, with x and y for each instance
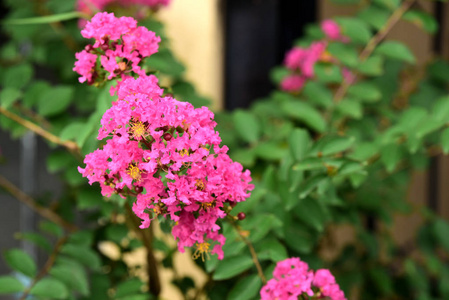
(167, 154)
(119, 47)
(301, 61)
(91, 6)
(332, 31)
(292, 278)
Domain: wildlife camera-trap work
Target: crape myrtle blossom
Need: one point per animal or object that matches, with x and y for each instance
(301, 61)
(333, 31)
(167, 154)
(292, 279)
(120, 45)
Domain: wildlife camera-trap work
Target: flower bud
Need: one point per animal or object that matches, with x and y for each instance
(241, 216)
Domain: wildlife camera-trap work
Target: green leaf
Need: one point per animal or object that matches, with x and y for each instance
(260, 225)
(328, 73)
(299, 142)
(58, 160)
(390, 4)
(8, 96)
(365, 91)
(246, 126)
(391, 156)
(440, 109)
(271, 249)
(350, 108)
(318, 93)
(129, 287)
(428, 126)
(232, 266)
(89, 197)
(375, 16)
(165, 62)
(270, 151)
(307, 164)
(373, 66)
(310, 184)
(10, 285)
(50, 288)
(300, 238)
(82, 254)
(20, 261)
(246, 288)
(305, 113)
(72, 275)
(440, 230)
(37, 239)
(313, 213)
(17, 76)
(45, 19)
(444, 140)
(396, 50)
(337, 145)
(55, 100)
(355, 29)
(278, 73)
(422, 20)
(34, 92)
(71, 131)
(345, 53)
(51, 228)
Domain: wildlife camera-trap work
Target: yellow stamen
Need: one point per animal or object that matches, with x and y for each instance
(134, 172)
(138, 129)
(184, 152)
(201, 250)
(200, 185)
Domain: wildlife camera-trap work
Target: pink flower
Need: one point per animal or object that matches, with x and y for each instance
(332, 30)
(293, 83)
(167, 153)
(85, 65)
(292, 278)
(120, 46)
(304, 59)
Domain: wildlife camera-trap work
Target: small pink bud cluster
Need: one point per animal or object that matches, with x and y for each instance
(120, 45)
(301, 61)
(292, 278)
(167, 154)
(89, 7)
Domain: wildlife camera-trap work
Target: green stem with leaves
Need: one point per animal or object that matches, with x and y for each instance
(30, 202)
(372, 44)
(48, 265)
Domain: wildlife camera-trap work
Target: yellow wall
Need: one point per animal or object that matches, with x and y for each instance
(194, 28)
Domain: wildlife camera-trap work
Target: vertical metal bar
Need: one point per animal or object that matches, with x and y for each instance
(433, 184)
(28, 153)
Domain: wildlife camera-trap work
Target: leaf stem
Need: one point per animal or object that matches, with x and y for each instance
(30, 202)
(72, 146)
(251, 249)
(147, 237)
(48, 264)
(372, 44)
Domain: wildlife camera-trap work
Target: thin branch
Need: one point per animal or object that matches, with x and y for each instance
(372, 44)
(251, 249)
(32, 115)
(147, 239)
(30, 202)
(48, 265)
(72, 146)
